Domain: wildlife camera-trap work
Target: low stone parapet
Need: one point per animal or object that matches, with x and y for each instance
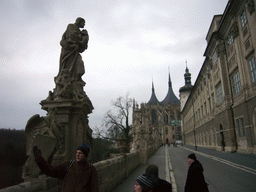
(111, 173)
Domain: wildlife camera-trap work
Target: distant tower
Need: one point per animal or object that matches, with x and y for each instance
(186, 89)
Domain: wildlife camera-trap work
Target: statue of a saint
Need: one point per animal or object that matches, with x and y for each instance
(73, 42)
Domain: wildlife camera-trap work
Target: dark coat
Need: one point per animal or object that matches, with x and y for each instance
(195, 179)
(163, 186)
(80, 177)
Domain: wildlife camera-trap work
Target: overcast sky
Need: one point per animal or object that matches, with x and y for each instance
(131, 43)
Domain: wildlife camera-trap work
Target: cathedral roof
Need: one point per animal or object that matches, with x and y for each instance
(170, 97)
(153, 99)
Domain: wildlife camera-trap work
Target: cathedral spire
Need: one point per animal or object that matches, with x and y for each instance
(153, 89)
(170, 97)
(153, 99)
(170, 82)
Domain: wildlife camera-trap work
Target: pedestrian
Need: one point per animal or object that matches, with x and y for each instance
(76, 175)
(195, 178)
(145, 183)
(161, 184)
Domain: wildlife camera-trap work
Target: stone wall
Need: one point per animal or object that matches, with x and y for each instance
(111, 173)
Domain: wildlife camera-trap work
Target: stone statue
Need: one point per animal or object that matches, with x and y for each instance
(69, 84)
(68, 107)
(73, 43)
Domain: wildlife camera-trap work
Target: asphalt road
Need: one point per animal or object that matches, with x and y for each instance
(224, 171)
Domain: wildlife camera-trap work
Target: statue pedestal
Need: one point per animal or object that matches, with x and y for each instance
(72, 116)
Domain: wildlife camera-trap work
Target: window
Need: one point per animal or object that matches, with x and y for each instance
(252, 69)
(166, 131)
(213, 100)
(210, 106)
(172, 120)
(229, 39)
(243, 18)
(166, 119)
(240, 127)
(219, 94)
(179, 122)
(236, 85)
(154, 117)
(214, 58)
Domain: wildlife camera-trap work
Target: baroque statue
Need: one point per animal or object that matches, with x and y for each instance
(69, 83)
(50, 133)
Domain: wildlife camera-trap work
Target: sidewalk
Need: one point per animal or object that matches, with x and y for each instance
(159, 159)
(239, 158)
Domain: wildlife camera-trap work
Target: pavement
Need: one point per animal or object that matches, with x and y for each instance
(219, 172)
(165, 155)
(161, 159)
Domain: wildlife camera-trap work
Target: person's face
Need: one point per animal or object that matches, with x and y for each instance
(137, 187)
(190, 161)
(81, 24)
(80, 156)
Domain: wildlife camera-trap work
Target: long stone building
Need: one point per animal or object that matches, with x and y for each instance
(220, 111)
(155, 122)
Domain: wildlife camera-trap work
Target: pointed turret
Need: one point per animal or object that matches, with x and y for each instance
(153, 100)
(170, 97)
(186, 89)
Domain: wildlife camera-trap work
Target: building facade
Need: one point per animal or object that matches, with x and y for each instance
(220, 111)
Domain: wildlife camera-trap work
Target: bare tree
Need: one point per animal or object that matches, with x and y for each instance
(117, 124)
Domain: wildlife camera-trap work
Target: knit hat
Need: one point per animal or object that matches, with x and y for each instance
(84, 148)
(146, 181)
(192, 156)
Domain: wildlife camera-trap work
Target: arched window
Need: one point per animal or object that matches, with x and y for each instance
(166, 119)
(173, 122)
(154, 117)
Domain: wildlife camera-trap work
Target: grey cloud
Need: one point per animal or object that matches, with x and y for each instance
(120, 49)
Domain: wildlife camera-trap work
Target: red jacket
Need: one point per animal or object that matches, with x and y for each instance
(81, 177)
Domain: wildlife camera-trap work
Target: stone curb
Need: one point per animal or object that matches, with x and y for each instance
(169, 172)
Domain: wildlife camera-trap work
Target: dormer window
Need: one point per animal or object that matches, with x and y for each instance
(214, 58)
(243, 18)
(229, 39)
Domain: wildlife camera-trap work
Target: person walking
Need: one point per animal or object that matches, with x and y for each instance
(161, 184)
(195, 179)
(76, 175)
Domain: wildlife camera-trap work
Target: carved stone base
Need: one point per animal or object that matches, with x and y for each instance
(73, 118)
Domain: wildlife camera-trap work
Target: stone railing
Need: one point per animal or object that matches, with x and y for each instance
(111, 173)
